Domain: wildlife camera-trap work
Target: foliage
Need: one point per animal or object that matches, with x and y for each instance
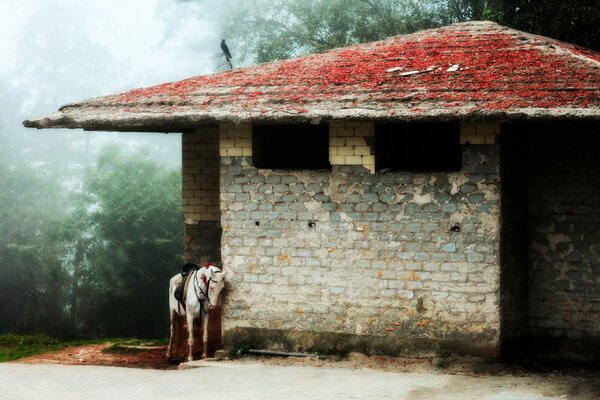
(443, 360)
(130, 216)
(94, 263)
(266, 30)
(442, 363)
(575, 21)
(31, 277)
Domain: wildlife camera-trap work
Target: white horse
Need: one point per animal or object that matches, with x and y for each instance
(203, 288)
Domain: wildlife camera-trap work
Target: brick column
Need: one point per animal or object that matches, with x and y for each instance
(201, 195)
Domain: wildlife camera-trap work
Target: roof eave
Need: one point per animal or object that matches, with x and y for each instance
(178, 122)
(134, 123)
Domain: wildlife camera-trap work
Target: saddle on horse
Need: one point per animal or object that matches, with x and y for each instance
(181, 290)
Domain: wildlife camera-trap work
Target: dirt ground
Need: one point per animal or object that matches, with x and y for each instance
(153, 357)
(580, 383)
(99, 354)
(585, 381)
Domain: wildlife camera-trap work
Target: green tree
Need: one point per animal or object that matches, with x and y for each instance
(131, 243)
(575, 21)
(466, 10)
(94, 263)
(266, 30)
(31, 277)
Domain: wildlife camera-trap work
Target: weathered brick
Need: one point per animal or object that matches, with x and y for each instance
(391, 225)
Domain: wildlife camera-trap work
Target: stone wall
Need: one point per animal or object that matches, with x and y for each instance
(564, 234)
(353, 252)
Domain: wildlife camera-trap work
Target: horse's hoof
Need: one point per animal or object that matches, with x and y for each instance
(204, 356)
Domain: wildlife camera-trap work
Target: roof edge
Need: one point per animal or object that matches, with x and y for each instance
(178, 123)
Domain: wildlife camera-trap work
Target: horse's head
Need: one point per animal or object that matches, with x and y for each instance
(215, 279)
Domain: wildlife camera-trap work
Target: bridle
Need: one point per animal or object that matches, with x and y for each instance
(203, 295)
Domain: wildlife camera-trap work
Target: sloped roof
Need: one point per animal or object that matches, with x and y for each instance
(469, 71)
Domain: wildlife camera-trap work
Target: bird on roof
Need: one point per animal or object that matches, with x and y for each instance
(226, 52)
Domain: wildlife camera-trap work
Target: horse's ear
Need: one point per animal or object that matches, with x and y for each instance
(227, 273)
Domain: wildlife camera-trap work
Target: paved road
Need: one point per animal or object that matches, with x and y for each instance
(244, 381)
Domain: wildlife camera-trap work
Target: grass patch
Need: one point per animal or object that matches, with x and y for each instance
(14, 347)
(443, 361)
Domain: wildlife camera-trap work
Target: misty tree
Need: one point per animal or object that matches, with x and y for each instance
(266, 30)
(31, 277)
(60, 60)
(91, 262)
(128, 243)
(41, 77)
(51, 260)
(575, 21)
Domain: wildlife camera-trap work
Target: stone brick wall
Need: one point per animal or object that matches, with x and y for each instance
(564, 221)
(200, 195)
(394, 254)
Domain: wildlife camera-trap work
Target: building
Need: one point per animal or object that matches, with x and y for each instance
(432, 191)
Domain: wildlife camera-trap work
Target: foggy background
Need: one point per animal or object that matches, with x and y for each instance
(90, 222)
(55, 52)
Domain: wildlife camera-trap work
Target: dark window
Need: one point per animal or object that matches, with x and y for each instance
(431, 146)
(290, 146)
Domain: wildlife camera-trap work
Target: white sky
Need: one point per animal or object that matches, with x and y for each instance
(53, 52)
(150, 41)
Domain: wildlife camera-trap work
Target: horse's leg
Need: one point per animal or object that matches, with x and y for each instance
(170, 347)
(205, 318)
(179, 333)
(190, 323)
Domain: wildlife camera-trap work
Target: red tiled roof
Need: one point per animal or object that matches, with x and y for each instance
(474, 70)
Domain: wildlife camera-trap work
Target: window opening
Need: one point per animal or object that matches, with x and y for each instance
(292, 146)
(430, 146)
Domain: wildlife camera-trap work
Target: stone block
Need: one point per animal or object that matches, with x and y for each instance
(337, 290)
(449, 247)
(467, 188)
(314, 188)
(476, 198)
